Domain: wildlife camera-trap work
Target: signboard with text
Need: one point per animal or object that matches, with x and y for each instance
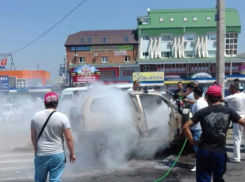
(112, 48)
(149, 76)
(4, 84)
(3, 63)
(80, 48)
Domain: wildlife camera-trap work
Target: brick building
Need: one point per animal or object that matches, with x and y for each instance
(112, 52)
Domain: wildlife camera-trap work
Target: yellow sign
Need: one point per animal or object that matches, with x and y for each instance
(148, 76)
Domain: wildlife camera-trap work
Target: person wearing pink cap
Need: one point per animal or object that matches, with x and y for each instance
(48, 130)
(211, 156)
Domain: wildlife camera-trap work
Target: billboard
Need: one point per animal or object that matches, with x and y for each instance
(85, 74)
(3, 63)
(112, 48)
(149, 77)
(4, 84)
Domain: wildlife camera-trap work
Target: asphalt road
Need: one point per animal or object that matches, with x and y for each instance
(16, 163)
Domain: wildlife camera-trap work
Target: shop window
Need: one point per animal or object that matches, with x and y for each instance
(127, 59)
(82, 60)
(104, 59)
(107, 75)
(146, 37)
(146, 68)
(21, 83)
(128, 72)
(167, 38)
(166, 54)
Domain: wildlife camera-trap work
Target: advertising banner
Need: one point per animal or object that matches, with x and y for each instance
(172, 69)
(235, 69)
(80, 48)
(112, 48)
(86, 73)
(148, 76)
(4, 84)
(3, 63)
(195, 69)
(120, 53)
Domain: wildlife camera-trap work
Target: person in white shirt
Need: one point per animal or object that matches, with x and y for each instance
(236, 101)
(200, 103)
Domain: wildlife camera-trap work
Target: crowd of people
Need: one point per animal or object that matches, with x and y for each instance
(207, 123)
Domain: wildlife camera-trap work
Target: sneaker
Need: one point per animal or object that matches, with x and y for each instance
(233, 160)
(194, 169)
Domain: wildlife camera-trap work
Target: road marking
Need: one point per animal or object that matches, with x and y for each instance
(16, 161)
(17, 155)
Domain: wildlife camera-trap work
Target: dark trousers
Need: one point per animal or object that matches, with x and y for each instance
(209, 163)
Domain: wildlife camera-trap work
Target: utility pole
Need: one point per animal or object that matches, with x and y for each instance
(65, 64)
(220, 54)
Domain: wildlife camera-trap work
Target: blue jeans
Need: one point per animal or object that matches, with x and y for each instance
(209, 163)
(196, 134)
(53, 164)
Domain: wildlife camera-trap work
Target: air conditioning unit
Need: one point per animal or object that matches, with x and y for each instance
(193, 42)
(170, 43)
(95, 55)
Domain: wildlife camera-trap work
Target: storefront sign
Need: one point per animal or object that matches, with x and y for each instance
(3, 63)
(201, 75)
(4, 84)
(172, 69)
(148, 76)
(194, 69)
(80, 48)
(120, 53)
(235, 69)
(86, 73)
(112, 48)
(242, 68)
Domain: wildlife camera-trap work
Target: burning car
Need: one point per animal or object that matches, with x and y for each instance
(122, 123)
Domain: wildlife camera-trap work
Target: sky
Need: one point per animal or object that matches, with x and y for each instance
(22, 21)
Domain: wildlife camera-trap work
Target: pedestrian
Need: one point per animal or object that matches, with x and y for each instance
(196, 130)
(211, 156)
(236, 101)
(178, 91)
(136, 86)
(157, 88)
(48, 129)
(240, 86)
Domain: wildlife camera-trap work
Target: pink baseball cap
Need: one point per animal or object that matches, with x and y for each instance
(214, 90)
(50, 97)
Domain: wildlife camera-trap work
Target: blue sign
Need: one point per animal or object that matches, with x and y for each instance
(80, 48)
(23, 89)
(4, 84)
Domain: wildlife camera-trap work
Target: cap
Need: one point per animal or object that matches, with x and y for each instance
(214, 90)
(50, 97)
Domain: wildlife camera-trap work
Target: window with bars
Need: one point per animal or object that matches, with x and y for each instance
(231, 43)
(21, 83)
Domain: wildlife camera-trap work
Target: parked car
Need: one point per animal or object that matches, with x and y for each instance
(10, 113)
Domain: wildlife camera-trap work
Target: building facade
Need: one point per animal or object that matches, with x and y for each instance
(111, 52)
(27, 80)
(183, 42)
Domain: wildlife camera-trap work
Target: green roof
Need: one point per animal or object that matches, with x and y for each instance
(231, 18)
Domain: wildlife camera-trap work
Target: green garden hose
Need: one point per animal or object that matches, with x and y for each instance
(167, 173)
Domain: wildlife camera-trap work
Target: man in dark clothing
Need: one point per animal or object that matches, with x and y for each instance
(215, 120)
(178, 91)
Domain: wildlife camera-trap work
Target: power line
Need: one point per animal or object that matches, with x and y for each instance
(50, 28)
